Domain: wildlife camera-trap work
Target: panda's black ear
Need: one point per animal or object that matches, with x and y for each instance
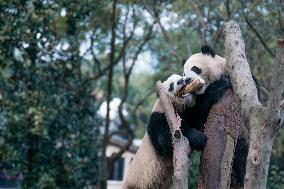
(184, 61)
(207, 50)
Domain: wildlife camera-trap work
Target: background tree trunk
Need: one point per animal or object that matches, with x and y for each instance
(263, 122)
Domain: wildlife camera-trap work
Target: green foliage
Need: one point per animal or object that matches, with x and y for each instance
(49, 129)
(275, 178)
(48, 124)
(194, 169)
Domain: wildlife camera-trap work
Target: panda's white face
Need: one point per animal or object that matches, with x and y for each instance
(173, 85)
(205, 67)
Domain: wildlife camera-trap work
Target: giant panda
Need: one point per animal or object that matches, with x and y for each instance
(152, 166)
(213, 70)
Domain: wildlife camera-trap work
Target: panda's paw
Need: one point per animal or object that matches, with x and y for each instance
(196, 138)
(226, 80)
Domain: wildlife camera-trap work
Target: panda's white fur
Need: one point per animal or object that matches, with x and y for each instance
(179, 102)
(148, 170)
(211, 69)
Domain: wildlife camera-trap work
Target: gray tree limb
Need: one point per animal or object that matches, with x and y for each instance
(262, 122)
(180, 143)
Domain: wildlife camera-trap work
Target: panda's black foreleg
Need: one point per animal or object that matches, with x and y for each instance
(196, 138)
(160, 135)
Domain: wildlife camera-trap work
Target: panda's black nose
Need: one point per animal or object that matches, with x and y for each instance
(187, 80)
(180, 82)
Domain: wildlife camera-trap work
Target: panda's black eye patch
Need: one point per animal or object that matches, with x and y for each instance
(179, 82)
(171, 88)
(196, 70)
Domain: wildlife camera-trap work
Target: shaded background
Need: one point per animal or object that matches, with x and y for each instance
(74, 74)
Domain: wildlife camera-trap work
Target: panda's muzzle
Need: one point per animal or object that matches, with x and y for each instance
(187, 80)
(190, 87)
(181, 93)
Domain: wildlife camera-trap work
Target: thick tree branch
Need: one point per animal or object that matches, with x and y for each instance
(222, 128)
(180, 143)
(238, 68)
(262, 122)
(227, 162)
(246, 93)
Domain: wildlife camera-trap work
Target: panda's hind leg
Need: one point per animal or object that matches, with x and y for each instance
(239, 163)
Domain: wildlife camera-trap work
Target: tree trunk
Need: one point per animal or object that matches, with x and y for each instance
(263, 122)
(103, 162)
(223, 126)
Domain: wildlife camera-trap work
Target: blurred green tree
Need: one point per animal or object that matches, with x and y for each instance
(56, 57)
(49, 128)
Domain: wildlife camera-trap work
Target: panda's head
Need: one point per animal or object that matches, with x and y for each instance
(173, 85)
(205, 65)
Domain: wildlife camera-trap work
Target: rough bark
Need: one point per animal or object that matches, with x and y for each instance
(226, 163)
(180, 143)
(263, 122)
(224, 123)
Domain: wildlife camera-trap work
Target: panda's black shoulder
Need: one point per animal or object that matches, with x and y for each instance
(207, 50)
